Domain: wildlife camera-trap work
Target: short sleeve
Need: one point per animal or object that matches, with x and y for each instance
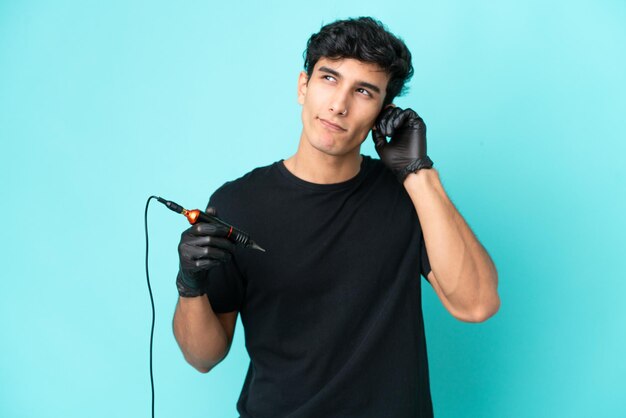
(225, 289)
(424, 262)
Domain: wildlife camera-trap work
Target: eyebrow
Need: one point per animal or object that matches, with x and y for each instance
(359, 83)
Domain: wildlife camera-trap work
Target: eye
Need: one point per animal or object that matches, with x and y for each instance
(328, 77)
(362, 90)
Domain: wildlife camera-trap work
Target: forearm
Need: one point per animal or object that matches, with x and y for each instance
(463, 269)
(199, 333)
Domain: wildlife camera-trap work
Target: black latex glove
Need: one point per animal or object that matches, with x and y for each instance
(202, 247)
(405, 153)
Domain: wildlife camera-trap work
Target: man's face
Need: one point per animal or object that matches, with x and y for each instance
(340, 103)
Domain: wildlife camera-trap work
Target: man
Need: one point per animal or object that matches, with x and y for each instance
(332, 311)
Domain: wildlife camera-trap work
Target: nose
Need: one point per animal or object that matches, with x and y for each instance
(339, 103)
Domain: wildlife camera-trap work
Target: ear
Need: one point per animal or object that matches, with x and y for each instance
(303, 81)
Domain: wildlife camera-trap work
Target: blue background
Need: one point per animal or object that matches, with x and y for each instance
(105, 103)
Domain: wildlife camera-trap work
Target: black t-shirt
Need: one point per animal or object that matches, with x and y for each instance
(332, 311)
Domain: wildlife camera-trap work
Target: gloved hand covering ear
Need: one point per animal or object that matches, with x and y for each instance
(405, 153)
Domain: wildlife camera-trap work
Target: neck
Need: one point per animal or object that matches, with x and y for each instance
(314, 166)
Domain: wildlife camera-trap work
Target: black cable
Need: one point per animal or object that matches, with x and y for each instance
(151, 300)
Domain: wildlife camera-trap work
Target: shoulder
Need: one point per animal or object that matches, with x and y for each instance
(247, 182)
(244, 190)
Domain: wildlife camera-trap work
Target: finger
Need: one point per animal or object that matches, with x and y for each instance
(384, 121)
(403, 119)
(391, 119)
(210, 210)
(217, 254)
(189, 254)
(204, 229)
(204, 264)
(410, 119)
(386, 109)
(379, 139)
(209, 241)
(380, 120)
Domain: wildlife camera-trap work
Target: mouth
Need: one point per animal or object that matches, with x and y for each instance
(331, 126)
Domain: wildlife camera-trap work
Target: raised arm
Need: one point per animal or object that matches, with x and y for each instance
(463, 275)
